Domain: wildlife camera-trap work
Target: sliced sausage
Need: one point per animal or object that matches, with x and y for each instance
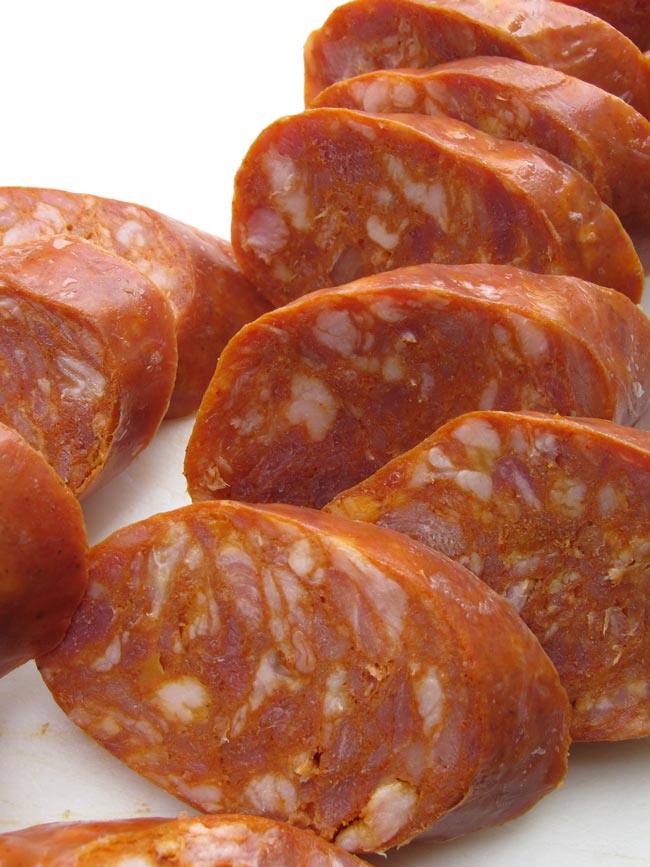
(284, 662)
(210, 297)
(631, 17)
(43, 550)
(314, 397)
(388, 34)
(208, 841)
(553, 513)
(598, 134)
(330, 195)
(87, 356)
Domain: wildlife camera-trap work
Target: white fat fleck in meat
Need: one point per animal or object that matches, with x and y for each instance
(607, 500)
(272, 794)
(136, 861)
(50, 215)
(376, 96)
(378, 232)
(287, 188)
(383, 196)
(420, 475)
(209, 796)
(80, 380)
(111, 655)
(524, 568)
(388, 810)
(488, 396)
(337, 699)
(27, 230)
(227, 843)
(524, 489)
(546, 444)
(532, 340)
(472, 561)
(517, 594)
(393, 369)
(428, 197)
(568, 496)
(478, 434)
(430, 699)
(131, 234)
(439, 460)
(165, 559)
(311, 405)
(336, 330)
(60, 243)
(637, 389)
(477, 483)
(184, 699)
(387, 310)
(301, 559)
(266, 234)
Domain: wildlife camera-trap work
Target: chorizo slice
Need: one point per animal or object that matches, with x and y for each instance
(553, 513)
(314, 397)
(279, 661)
(385, 34)
(209, 296)
(87, 356)
(595, 132)
(43, 550)
(210, 841)
(631, 17)
(332, 194)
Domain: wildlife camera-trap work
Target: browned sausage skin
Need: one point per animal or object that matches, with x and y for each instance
(43, 550)
(211, 841)
(315, 396)
(209, 296)
(553, 513)
(281, 661)
(331, 194)
(88, 354)
(383, 34)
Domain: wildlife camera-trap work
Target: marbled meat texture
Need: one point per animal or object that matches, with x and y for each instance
(316, 396)
(333, 674)
(209, 296)
(43, 550)
(554, 514)
(387, 34)
(598, 134)
(87, 356)
(209, 841)
(332, 194)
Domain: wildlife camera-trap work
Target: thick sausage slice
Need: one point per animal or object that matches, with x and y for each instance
(631, 17)
(598, 134)
(208, 841)
(333, 674)
(43, 550)
(553, 513)
(210, 297)
(314, 397)
(87, 356)
(388, 34)
(330, 195)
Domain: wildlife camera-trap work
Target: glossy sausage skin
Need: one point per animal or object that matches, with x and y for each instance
(330, 195)
(315, 396)
(387, 34)
(631, 17)
(209, 296)
(87, 356)
(43, 550)
(211, 841)
(283, 662)
(598, 134)
(553, 514)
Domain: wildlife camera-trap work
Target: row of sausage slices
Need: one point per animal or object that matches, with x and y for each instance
(416, 565)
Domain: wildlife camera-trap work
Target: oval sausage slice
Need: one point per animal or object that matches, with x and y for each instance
(209, 296)
(209, 841)
(87, 356)
(384, 34)
(313, 397)
(553, 513)
(330, 195)
(333, 674)
(43, 551)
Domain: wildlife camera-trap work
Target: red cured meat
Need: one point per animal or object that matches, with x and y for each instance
(631, 17)
(43, 551)
(329, 673)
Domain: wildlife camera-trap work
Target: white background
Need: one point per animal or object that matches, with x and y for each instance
(156, 103)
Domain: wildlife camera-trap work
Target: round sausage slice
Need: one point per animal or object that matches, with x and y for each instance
(332, 194)
(43, 551)
(333, 674)
(314, 397)
(87, 356)
(553, 513)
(209, 841)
